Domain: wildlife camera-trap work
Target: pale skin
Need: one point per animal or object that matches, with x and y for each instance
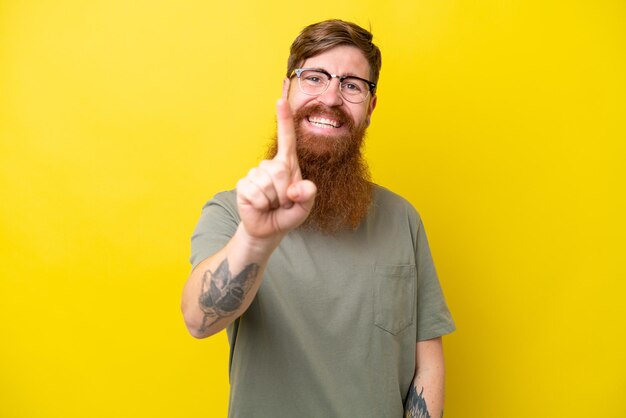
(428, 383)
(272, 200)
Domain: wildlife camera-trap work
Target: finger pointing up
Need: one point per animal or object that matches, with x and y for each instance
(286, 132)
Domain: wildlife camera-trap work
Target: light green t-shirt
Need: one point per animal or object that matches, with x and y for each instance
(333, 327)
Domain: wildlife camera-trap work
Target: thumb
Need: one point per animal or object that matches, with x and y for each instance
(303, 192)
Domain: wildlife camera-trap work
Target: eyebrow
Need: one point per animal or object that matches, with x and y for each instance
(349, 74)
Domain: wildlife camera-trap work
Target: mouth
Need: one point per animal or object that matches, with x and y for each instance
(324, 122)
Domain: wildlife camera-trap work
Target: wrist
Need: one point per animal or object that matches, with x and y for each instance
(258, 245)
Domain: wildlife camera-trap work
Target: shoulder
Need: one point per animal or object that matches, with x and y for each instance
(225, 198)
(220, 212)
(217, 224)
(389, 203)
(223, 202)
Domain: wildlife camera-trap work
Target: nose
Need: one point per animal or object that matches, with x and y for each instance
(332, 95)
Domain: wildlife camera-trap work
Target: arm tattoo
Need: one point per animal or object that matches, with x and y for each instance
(415, 406)
(222, 294)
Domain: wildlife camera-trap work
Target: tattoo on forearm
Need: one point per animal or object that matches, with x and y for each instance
(415, 406)
(222, 294)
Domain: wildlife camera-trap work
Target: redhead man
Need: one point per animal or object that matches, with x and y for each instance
(323, 280)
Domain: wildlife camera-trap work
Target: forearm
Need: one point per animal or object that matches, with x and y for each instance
(426, 394)
(425, 397)
(271, 200)
(222, 287)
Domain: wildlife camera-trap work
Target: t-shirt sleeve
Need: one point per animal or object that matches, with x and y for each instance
(218, 223)
(433, 316)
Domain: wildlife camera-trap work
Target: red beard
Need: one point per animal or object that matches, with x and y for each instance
(331, 148)
(336, 166)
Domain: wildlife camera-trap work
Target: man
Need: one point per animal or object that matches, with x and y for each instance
(324, 281)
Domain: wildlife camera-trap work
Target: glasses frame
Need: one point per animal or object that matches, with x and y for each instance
(298, 72)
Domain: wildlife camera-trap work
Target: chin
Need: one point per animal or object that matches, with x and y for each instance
(317, 145)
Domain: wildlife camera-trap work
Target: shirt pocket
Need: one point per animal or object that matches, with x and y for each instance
(394, 297)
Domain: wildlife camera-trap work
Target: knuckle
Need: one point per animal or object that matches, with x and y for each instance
(281, 174)
(252, 172)
(276, 169)
(244, 189)
(265, 164)
(256, 198)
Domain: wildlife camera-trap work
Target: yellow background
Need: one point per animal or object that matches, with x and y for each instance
(502, 121)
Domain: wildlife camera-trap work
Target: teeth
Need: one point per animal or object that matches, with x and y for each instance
(324, 122)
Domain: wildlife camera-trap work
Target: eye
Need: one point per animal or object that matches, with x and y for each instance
(353, 86)
(313, 78)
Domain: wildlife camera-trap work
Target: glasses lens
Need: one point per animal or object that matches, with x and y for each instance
(354, 90)
(313, 82)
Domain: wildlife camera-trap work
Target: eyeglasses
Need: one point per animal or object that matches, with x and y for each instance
(315, 81)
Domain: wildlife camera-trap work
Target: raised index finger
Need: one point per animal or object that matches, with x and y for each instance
(286, 132)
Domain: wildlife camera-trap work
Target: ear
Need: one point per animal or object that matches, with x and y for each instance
(286, 84)
(370, 110)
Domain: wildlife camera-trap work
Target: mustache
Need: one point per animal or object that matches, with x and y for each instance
(321, 109)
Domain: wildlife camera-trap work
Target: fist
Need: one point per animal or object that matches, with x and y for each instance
(273, 199)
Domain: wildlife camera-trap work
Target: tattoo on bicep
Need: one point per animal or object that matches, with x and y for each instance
(222, 294)
(415, 405)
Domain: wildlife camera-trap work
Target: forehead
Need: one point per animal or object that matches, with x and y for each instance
(341, 60)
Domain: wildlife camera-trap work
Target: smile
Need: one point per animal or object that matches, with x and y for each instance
(325, 123)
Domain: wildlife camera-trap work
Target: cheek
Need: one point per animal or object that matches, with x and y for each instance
(359, 117)
(295, 98)
(298, 101)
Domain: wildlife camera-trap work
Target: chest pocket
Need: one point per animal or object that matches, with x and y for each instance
(394, 297)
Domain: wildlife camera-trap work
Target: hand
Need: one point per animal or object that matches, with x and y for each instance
(273, 199)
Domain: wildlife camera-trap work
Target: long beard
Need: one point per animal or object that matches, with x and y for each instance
(338, 169)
